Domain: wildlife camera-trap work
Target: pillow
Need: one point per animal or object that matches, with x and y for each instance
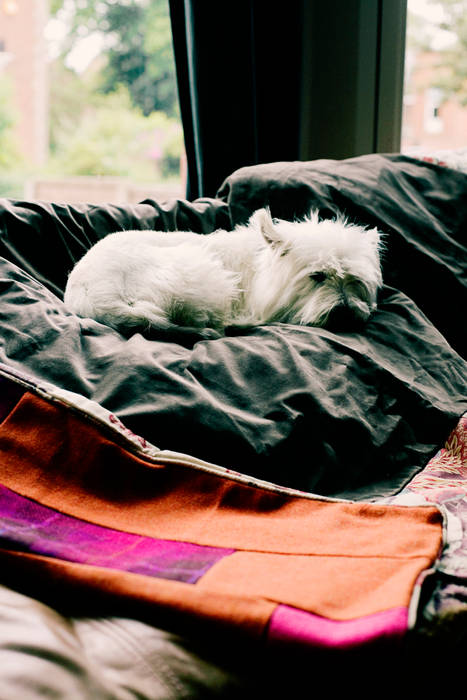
(420, 208)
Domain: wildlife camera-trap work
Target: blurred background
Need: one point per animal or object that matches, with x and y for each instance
(88, 101)
(435, 86)
(89, 107)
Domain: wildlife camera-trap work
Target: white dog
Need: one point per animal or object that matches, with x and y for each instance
(303, 272)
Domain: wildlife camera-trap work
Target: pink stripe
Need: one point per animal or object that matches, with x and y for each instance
(293, 626)
(32, 527)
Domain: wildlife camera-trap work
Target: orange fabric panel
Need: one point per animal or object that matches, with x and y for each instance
(178, 605)
(340, 588)
(55, 456)
(337, 560)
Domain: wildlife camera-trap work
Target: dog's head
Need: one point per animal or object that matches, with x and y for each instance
(315, 272)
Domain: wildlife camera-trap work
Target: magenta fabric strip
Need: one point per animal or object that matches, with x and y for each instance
(293, 626)
(28, 526)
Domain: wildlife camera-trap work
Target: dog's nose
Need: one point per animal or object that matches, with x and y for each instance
(342, 318)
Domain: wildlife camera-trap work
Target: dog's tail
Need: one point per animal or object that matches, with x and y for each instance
(140, 317)
(128, 317)
(119, 312)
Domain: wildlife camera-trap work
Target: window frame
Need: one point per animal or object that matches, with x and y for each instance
(352, 77)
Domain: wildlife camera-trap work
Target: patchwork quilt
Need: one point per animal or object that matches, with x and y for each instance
(294, 490)
(88, 509)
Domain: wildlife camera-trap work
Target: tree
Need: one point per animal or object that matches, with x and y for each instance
(423, 35)
(98, 124)
(112, 137)
(452, 76)
(70, 97)
(11, 159)
(9, 153)
(138, 47)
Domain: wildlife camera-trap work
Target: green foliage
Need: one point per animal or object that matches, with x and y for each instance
(419, 33)
(451, 73)
(452, 76)
(173, 148)
(9, 154)
(118, 118)
(112, 137)
(139, 48)
(11, 185)
(55, 6)
(70, 96)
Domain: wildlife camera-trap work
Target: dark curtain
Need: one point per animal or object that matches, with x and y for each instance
(239, 79)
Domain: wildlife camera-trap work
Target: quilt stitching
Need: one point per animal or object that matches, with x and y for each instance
(180, 562)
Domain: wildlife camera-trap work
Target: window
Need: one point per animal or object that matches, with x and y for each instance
(435, 89)
(88, 101)
(352, 78)
(433, 121)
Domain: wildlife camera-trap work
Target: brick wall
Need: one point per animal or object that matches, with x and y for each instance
(22, 41)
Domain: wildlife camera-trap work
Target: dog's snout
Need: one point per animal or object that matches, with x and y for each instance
(342, 318)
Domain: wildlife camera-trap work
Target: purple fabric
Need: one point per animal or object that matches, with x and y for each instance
(31, 527)
(292, 626)
(10, 394)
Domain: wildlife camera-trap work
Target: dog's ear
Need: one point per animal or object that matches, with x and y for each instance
(374, 236)
(262, 221)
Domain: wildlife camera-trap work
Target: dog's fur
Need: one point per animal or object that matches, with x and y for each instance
(269, 270)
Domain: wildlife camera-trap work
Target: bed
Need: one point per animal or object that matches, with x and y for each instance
(185, 518)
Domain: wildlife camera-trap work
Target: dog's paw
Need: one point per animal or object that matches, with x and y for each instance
(207, 334)
(187, 337)
(239, 329)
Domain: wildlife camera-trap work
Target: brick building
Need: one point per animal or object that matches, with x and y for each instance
(430, 120)
(23, 57)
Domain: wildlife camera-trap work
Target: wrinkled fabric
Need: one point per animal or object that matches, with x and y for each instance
(354, 414)
(364, 410)
(46, 653)
(47, 239)
(207, 551)
(364, 414)
(421, 209)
